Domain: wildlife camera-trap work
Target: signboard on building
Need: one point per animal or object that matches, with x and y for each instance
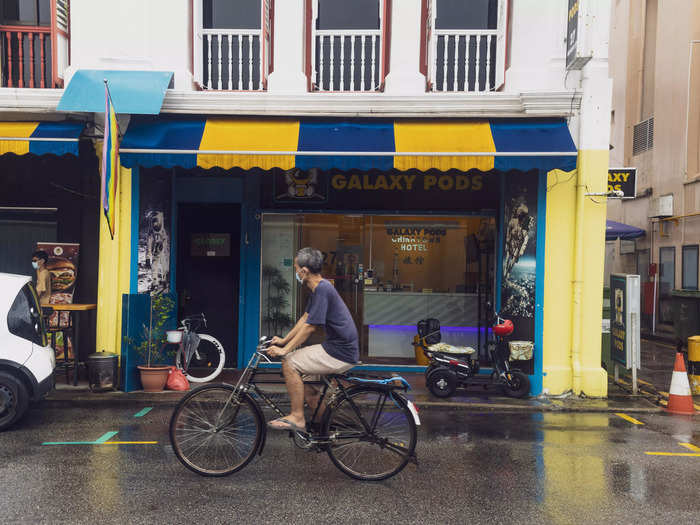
(624, 320)
(575, 59)
(624, 180)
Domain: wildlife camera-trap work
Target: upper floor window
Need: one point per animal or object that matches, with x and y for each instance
(463, 44)
(26, 13)
(347, 44)
(232, 44)
(34, 43)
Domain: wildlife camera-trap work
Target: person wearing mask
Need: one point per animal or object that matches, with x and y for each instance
(43, 276)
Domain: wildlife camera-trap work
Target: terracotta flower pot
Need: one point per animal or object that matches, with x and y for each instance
(153, 378)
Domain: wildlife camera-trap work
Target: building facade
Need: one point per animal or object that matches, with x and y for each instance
(438, 153)
(655, 127)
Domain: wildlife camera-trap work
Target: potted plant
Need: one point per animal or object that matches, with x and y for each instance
(152, 348)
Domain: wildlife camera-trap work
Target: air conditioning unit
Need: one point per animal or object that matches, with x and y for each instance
(661, 207)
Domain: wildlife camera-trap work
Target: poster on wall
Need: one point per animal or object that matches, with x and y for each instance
(155, 202)
(520, 256)
(63, 267)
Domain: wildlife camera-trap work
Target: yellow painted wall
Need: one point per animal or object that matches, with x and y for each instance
(559, 277)
(114, 268)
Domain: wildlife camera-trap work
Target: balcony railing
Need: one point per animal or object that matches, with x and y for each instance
(463, 61)
(232, 59)
(26, 57)
(347, 60)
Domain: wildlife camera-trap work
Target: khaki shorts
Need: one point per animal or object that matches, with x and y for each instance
(313, 361)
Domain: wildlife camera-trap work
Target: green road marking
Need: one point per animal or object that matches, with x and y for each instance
(143, 412)
(101, 440)
(108, 435)
(628, 418)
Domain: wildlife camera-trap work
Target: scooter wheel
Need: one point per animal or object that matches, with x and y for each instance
(516, 384)
(442, 382)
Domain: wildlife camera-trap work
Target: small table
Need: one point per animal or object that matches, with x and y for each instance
(74, 323)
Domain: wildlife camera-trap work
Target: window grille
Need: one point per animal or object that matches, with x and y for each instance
(643, 138)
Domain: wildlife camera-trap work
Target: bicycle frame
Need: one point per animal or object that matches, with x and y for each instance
(246, 384)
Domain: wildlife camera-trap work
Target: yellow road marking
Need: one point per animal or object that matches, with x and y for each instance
(690, 446)
(686, 454)
(628, 418)
(128, 443)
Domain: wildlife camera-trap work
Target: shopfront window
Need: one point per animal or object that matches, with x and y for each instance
(391, 271)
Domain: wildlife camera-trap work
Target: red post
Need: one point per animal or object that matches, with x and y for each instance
(42, 66)
(31, 60)
(9, 59)
(21, 59)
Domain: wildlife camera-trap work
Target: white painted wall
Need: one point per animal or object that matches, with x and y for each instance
(155, 34)
(132, 34)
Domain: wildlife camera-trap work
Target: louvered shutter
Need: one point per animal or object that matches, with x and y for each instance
(501, 43)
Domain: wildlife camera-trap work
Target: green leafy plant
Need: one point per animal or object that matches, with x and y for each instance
(275, 319)
(151, 345)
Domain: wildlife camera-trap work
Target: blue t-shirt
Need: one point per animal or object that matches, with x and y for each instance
(327, 308)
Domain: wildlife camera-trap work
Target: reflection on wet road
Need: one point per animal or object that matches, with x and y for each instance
(474, 467)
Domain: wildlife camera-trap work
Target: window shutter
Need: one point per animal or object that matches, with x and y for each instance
(264, 41)
(271, 36)
(197, 41)
(60, 40)
(423, 62)
(309, 26)
(386, 39)
(501, 43)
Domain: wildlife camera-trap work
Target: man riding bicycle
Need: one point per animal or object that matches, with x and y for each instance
(338, 353)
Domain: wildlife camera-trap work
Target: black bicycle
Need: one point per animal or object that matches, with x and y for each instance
(365, 424)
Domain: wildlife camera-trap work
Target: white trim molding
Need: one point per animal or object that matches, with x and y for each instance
(429, 105)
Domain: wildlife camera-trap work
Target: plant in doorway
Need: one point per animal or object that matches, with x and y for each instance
(275, 319)
(152, 345)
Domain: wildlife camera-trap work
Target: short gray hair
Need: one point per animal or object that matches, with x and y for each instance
(310, 258)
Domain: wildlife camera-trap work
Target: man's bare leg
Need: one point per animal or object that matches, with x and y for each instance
(295, 388)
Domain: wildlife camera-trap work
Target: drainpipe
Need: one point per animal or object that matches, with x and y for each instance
(577, 285)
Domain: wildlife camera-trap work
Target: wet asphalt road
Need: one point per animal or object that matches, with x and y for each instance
(478, 467)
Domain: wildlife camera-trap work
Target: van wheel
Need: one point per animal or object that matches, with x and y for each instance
(14, 400)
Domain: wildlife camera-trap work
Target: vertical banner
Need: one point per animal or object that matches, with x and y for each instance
(519, 257)
(63, 267)
(155, 205)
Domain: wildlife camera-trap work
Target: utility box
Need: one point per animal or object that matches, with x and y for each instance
(685, 312)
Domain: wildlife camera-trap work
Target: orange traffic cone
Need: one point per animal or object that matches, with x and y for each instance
(679, 399)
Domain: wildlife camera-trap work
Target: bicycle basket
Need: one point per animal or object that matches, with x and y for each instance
(429, 330)
(520, 350)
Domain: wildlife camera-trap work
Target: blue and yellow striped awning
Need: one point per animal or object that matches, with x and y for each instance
(40, 138)
(363, 144)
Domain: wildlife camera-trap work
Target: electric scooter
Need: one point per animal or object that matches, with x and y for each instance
(453, 367)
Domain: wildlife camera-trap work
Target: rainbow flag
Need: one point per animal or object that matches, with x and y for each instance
(110, 163)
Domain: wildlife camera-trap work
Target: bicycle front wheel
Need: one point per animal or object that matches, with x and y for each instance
(206, 363)
(215, 433)
(372, 433)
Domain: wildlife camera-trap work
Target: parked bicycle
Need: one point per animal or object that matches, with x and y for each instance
(200, 356)
(365, 425)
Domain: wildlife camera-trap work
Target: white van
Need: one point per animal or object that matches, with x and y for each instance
(27, 361)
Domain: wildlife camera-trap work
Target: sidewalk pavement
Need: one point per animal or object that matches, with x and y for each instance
(476, 398)
(654, 378)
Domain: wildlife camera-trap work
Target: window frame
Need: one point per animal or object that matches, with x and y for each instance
(311, 8)
(427, 32)
(684, 249)
(53, 31)
(267, 32)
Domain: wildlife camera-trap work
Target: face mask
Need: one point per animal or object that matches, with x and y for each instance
(299, 279)
(35, 265)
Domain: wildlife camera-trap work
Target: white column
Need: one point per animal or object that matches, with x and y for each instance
(404, 76)
(290, 47)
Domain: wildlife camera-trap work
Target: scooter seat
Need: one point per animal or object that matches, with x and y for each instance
(444, 348)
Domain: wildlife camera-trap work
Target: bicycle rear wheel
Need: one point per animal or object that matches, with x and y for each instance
(214, 434)
(379, 453)
(206, 363)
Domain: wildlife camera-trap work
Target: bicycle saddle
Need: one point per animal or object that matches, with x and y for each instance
(444, 348)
